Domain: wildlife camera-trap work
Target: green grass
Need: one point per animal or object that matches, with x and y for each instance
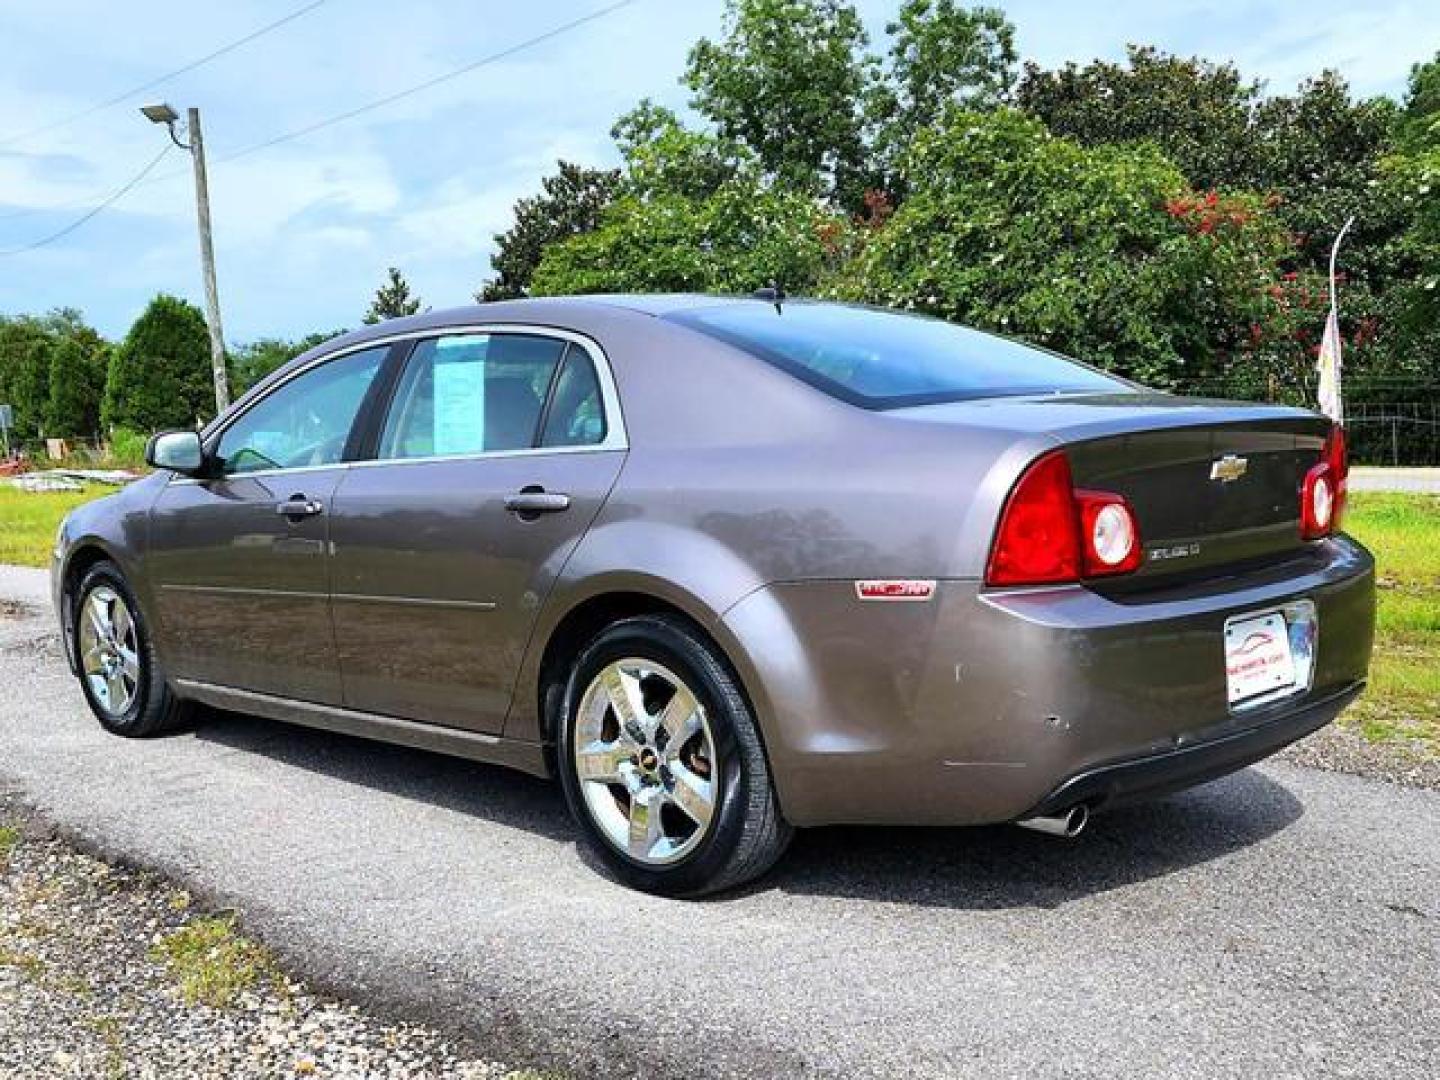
(213, 963)
(9, 837)
(28, 521)
(1403, 702)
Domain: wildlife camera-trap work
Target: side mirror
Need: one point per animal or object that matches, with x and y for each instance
(178, 451)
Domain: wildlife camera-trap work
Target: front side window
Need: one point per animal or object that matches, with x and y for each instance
(471, 394)
(304, 422)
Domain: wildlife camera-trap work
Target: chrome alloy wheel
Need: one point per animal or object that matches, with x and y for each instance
(645, 758)
(109, 650)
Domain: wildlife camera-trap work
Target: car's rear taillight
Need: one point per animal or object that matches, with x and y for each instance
(1322, 494)
(1110, 538)
(1038, 542)
(1050, 533)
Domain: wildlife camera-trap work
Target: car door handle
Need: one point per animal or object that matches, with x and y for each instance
(533, 501)
(298, 506)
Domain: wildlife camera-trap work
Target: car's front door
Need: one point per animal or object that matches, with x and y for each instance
(496, 454)
(239, 558)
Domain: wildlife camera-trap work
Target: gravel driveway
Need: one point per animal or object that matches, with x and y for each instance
(1283, 922)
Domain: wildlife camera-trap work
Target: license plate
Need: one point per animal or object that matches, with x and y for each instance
(1258, 658)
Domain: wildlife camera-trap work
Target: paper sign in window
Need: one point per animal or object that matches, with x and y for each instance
(459, 406)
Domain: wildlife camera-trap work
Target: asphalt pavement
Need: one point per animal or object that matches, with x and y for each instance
(1279, 923)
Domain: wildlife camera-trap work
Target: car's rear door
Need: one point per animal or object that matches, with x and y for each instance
(496, 452)
(240, 559)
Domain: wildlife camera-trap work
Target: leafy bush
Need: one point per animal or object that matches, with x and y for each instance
(127, 448)
(1100, 253)
(697, 215)
(734, 241)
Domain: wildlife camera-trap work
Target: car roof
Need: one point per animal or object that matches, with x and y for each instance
(545, 310)
(588, 314)
(571, 312)
(663, 303)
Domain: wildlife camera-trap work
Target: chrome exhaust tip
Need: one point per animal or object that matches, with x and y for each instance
(1068, 824)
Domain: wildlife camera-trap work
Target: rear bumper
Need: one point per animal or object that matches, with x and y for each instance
(984, 706)
(1175, 770)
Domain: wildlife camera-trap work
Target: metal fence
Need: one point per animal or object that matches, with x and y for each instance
(1394, 432)
(1388, 422)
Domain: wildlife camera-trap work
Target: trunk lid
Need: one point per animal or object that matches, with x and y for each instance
(1208, 496)
(1214, 484)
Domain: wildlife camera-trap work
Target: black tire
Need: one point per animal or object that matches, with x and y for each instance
(154, 708)
(747, 833)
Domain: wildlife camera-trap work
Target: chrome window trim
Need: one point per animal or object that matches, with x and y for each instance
(616, 435)
(485, 455)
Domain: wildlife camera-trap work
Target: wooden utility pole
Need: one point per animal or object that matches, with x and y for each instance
(207, 263)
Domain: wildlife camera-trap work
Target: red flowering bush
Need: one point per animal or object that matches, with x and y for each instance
(1103, 253)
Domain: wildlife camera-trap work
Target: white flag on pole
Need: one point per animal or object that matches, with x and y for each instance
(1329, 363)
(1329, 368)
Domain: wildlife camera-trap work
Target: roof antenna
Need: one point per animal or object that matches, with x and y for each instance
(773, 293)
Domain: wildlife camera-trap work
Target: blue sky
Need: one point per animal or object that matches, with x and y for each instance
(305, 230)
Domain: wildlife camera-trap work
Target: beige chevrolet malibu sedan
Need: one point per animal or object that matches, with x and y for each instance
(731, 567)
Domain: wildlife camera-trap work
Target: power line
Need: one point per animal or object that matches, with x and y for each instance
(389, 99)
(134, 90)
(114, 197)
(339, 118)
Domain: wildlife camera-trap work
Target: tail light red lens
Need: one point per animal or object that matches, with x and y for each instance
(1038, 541)
(1337, 456)
(1322, 494)
(1051, 534)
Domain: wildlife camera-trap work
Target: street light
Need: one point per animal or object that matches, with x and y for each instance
(162, 113)
(159, 114)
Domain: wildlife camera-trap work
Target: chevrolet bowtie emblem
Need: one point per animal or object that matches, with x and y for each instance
(1230, 467)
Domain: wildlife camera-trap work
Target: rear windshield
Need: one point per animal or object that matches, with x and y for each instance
(884, 360)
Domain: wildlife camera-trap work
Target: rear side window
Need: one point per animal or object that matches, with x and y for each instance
(576, 416)
(884, 360)
(470, 394)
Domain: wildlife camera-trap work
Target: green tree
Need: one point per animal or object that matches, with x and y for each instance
(569, 203)
(1103, 253)
(664, 157)
(392, 300)
(76, 387)
(25, 373)
(1410, 185)
(942, 55)
(1315, 154)
(160, 376)
(1419, 121)
(28, 346)
(1196, 111)
(738, 237)
(1318, 150)
(788, 79)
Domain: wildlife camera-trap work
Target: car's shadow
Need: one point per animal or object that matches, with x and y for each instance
(978, 868)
